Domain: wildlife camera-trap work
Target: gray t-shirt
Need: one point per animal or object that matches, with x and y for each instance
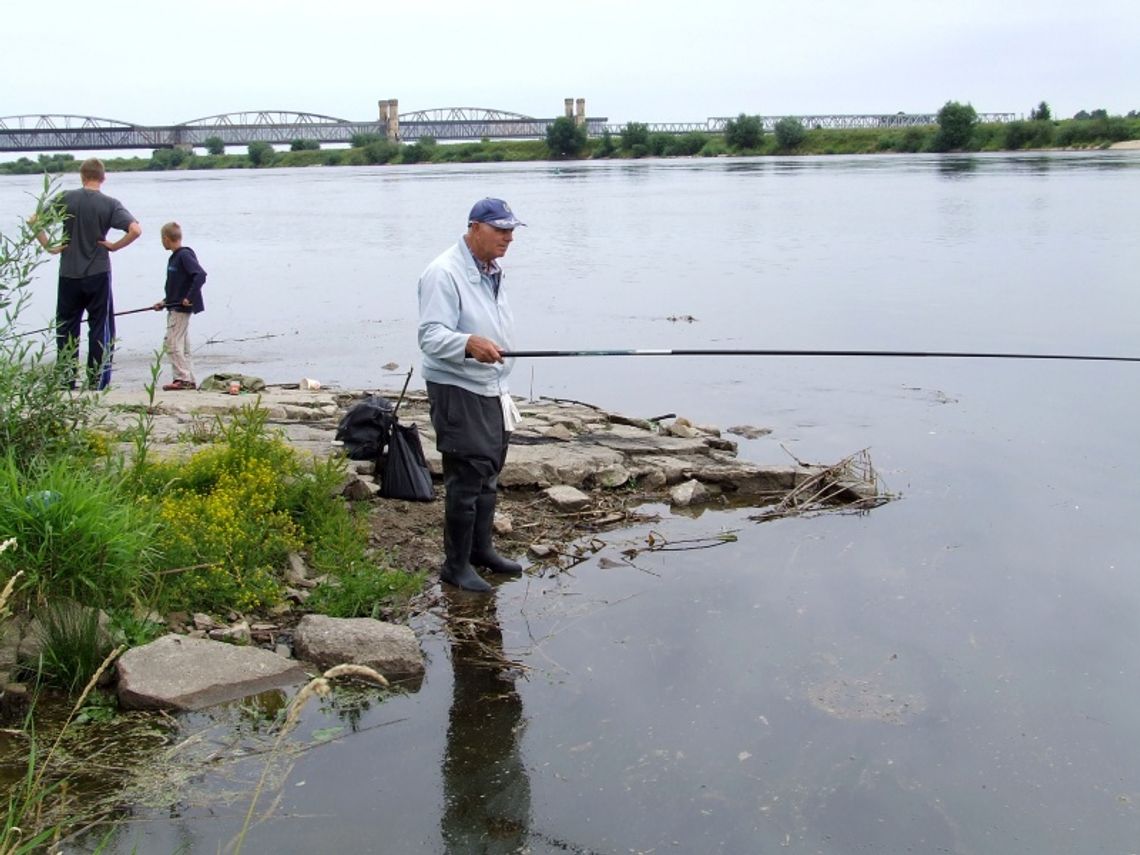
(90, 215)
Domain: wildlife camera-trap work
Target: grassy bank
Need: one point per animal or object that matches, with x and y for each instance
(100, 547)
(632, 143)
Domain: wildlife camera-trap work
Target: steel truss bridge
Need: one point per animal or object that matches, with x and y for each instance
(44, 132)
(717, 124)
(69, 132)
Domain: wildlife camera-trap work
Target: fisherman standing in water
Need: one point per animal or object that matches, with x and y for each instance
(465, 323)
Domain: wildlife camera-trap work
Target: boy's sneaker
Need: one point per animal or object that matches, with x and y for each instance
(178, 386)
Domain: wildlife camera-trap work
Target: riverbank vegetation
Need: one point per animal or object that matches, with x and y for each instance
(101, 537)
(957, 129)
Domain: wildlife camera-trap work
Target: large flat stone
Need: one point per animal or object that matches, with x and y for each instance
(180, 673)
(388, 648)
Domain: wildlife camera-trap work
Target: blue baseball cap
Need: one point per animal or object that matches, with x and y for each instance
(494, 212)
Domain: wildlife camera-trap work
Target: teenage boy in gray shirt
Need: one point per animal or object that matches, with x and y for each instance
(85, 271)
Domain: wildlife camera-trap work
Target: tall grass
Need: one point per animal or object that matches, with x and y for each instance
(72, 644)
(79, 532)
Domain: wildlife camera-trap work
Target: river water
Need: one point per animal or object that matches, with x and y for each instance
(953, 672)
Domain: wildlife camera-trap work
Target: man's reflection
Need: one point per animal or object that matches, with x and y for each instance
(486, 789)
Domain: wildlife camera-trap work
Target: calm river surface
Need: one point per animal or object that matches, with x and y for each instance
(958, 671)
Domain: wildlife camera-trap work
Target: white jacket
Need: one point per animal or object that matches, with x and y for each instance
(457, 301)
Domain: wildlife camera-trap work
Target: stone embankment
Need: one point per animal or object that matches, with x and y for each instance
(559, 443)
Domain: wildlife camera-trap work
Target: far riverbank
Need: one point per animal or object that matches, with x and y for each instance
(634, 142)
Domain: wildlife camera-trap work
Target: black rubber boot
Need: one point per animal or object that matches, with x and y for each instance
(483, 554)
(458, 525)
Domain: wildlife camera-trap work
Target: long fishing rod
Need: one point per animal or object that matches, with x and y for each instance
(776, 352)
(150, 308)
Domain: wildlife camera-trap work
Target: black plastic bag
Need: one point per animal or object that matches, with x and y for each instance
(406, 473)
(364, 429)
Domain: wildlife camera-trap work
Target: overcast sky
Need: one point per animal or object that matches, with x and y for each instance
(161, 63)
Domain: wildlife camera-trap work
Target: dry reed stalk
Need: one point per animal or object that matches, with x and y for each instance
(7, 592)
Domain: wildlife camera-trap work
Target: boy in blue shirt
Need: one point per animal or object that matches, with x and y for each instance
(184, 280)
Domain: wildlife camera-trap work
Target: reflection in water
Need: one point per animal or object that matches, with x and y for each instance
(486, 789)
(952, 166)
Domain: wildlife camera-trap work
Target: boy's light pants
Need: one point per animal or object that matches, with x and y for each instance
(178, 345)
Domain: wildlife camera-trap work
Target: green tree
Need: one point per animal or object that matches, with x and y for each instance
(421, 151)
(744, 132)
(607, 146)
(215, 146)
(634, 134)
(565, 137)
(361, 140)
(169, 158)
(304, 145)
(690, 144)
(55, 163)
(381, 151)
(1041, 113)
(260, 153)
(790, 132)
(660, 144)
(955, 125)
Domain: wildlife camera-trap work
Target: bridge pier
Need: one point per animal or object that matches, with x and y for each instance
(390, 118)
(575, 109)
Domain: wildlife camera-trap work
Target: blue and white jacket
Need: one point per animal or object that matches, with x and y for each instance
(457, 301)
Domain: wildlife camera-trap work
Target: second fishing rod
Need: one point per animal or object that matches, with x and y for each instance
(150, 308)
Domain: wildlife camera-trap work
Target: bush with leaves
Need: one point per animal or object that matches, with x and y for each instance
(635, 134)
(606, 145)
(360, 140)
(39, 416)
(956, 123)
(1035, 134)
(381, 150)
(233, 512)
(715, 147)
(744, 132)
(687, 145)
(790, 132)
(215, 146)
(565, 137)
(261, 153)
(169, 158)
(421, 151)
